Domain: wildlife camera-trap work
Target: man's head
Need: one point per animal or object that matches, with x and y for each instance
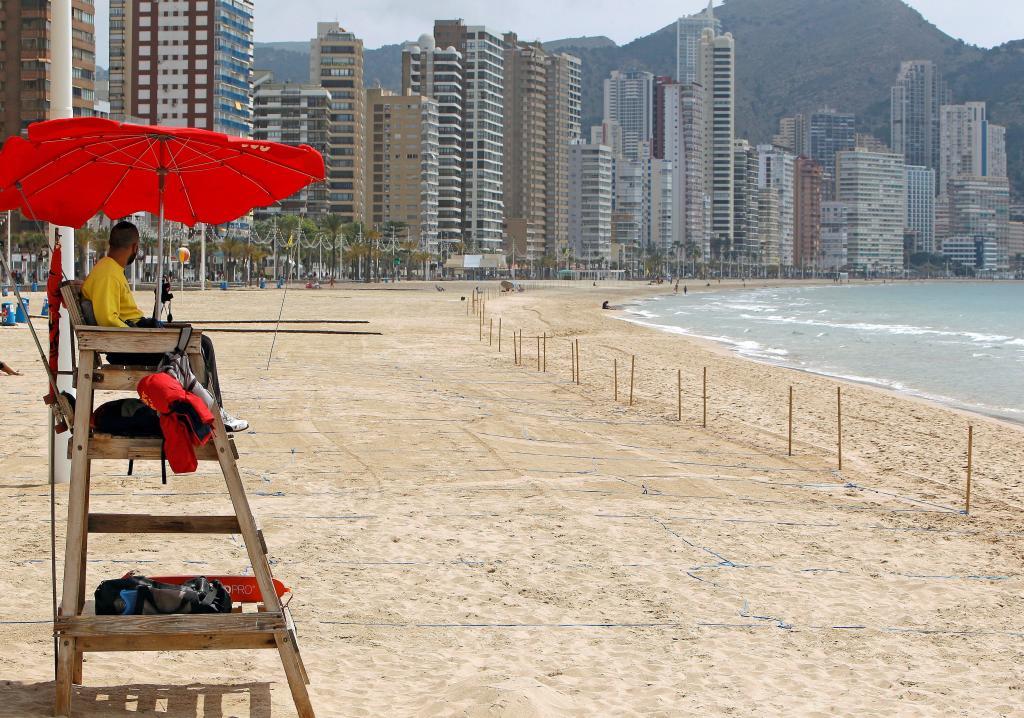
(124, 243)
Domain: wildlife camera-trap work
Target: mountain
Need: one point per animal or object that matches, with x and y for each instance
(792, 56)
(289, 61)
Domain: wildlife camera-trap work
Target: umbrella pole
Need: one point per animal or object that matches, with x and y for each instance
(157, 290)
(202, 256)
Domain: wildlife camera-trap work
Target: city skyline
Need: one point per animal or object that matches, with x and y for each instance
(396, 21)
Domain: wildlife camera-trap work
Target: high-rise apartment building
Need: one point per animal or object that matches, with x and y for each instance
(716, 71)
(483, 125)
(807, 213)
(776, 172)
(25, 62)
(828, 133)
(658, 203)
(564, 115)
(661, 83)
(920, 224)
(591, 167)
(969, 144)
(873, 187)
(834, 229)
(629, 102)
(336, 63)
(629, 209)
(979, 209)
(295, 114)
(525, 149)
(403, 164)
(436, 72)
(183, 64)
(689, 31)
(746, 242)
(685, 147)
(916, 98)
(792, 135)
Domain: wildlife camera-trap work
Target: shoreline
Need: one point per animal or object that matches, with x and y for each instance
(728, 347)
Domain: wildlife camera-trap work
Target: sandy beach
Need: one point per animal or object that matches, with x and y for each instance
(469, 537)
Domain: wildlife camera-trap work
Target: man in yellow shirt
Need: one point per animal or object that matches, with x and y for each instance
(113, 305)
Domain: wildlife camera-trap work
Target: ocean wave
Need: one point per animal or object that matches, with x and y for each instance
(903, 329)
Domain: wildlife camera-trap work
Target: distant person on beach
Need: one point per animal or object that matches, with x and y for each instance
(684, 290)
(11, 371)
(114, 306)
(605, 305)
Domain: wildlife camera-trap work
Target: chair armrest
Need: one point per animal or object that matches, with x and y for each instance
(133, 340)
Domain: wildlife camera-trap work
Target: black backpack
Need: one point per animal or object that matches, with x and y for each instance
(138, 595)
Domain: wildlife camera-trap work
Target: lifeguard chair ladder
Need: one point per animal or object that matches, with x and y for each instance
(77, 630)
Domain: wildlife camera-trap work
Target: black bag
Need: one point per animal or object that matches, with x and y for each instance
(137, 595)
(126, 417)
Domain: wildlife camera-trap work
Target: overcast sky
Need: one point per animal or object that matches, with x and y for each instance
(382, 22)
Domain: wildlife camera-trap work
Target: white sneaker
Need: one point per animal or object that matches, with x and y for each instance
(232, 424)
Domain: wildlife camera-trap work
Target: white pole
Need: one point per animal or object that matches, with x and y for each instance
(61, 108)
(202, 257)
(158, 290)
(9, 241)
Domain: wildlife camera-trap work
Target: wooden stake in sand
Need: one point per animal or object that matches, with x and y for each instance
(790, 420)
(615, 378)
(970, 457)
(679, 394)
(839, 423)
(632, 371)
(515, 349)
(704, 423)
(490, 333)
(577, 362)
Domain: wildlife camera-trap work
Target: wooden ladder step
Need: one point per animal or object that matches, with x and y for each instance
(152, 524)
(178, 632)
(107, 446)
(183, 623)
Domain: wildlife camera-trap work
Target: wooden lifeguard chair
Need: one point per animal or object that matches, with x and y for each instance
(77, 629)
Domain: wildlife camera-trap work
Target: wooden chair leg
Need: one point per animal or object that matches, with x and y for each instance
(77, 527)
(290, 659)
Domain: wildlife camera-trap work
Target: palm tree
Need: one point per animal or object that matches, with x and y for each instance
(332, 225)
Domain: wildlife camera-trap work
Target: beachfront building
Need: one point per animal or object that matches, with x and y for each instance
(525, 153)
(294, 114)
(979, 208)
(25, 62)
(629, 103)
(564, 105)
(716, 73)
(183, 64)
(402, 165)
(483, 128)
(807, 192)
(829, 132)
(776, 172)
(873, 186)
(658, 202)
(336, 63)
(979, 253)
(834, 228)
(591, 170)
(436, 72)
(746, 244)
(920, 204)
(916, 99)
(689, 31)
(628, 208)
(1015, 245)
(542, 116)
(969, 145)
(684, 147)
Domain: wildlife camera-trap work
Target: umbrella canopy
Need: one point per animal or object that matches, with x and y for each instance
(69, 170)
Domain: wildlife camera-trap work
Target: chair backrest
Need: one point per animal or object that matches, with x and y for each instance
(71, 293)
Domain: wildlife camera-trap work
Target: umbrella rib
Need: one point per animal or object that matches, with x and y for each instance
(116, 186)
(49, 163)
(242, 153)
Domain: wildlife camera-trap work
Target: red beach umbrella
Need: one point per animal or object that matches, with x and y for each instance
(70, 170)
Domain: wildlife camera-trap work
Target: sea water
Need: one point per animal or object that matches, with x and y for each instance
(958, 343)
